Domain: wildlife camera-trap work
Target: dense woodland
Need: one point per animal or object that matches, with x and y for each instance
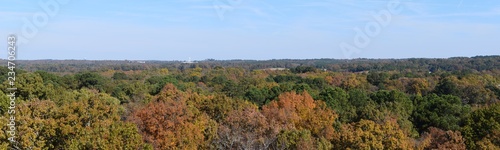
(243, 104)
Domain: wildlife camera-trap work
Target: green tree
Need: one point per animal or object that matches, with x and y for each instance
(338, 100)
(447, 86)
(31, 86)
(396, 103)
(158, 82)
(4, 102)
(378, 78)
(50, 78)
(91, 80)
(483, 125)
(258, 96)
(445, 112)
(119, 76)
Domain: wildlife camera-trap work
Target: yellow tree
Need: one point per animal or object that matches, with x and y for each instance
(92, 121)
(418, 86)
(367, 134)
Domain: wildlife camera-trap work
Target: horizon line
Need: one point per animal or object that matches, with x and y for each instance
(236, 59)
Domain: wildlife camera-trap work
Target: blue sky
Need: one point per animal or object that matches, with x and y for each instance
(251, 29)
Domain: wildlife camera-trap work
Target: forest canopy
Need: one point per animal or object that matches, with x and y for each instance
(244, 104)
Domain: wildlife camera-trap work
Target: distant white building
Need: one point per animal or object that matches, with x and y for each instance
(189, 61)
(275, 69)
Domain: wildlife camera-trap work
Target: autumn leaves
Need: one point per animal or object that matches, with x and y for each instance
(188, 120)
(89, 121)
(234, 108)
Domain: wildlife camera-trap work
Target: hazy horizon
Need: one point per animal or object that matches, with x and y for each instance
(208, 59)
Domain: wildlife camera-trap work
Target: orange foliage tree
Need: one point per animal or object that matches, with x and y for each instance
(246, 129)
(436, 138)
(294, 111)
(171, 123)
